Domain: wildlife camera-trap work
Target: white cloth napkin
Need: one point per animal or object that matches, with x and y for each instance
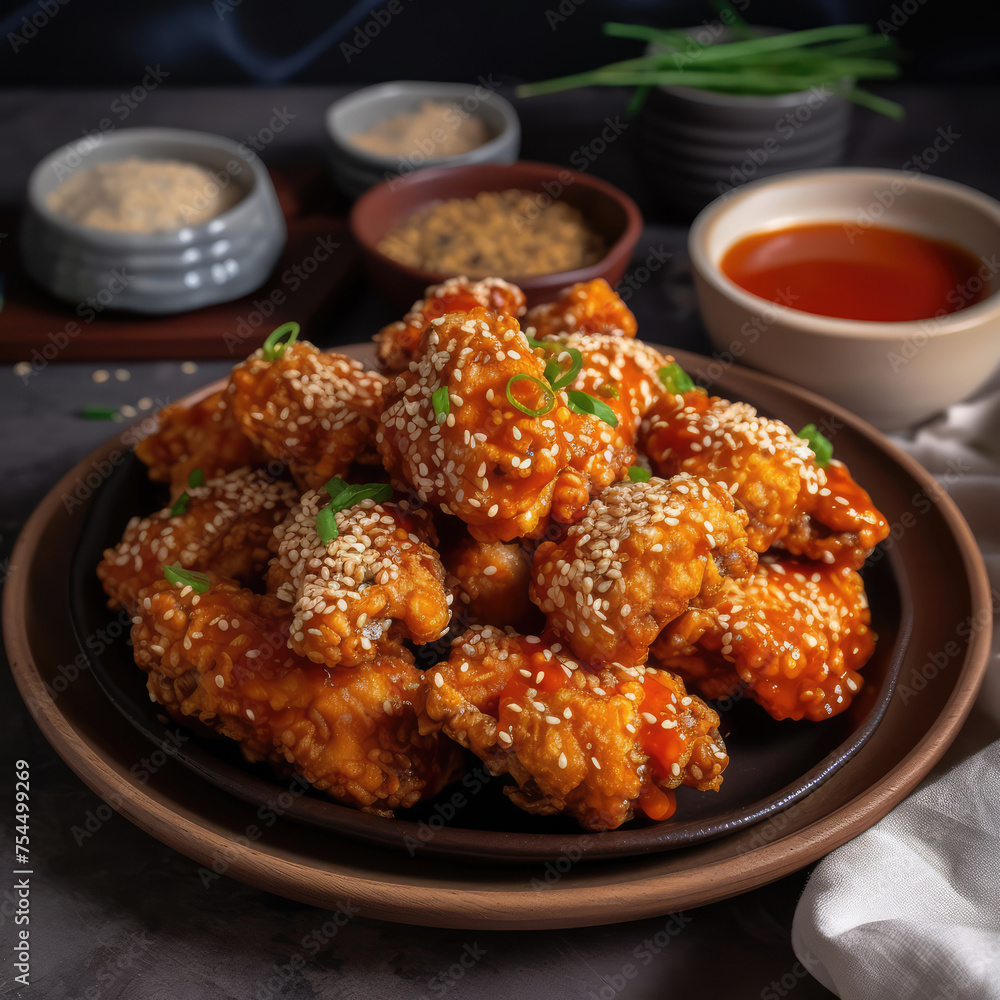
(910, 909)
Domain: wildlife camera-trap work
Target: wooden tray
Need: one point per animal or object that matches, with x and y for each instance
(943, 666)
(32, 320)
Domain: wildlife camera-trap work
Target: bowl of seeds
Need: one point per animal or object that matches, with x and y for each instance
(155, 220)
(539, 225)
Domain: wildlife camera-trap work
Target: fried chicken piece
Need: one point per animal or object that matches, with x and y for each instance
(397, 344)
(791, 501)
(586, 307)
(643, 551)
(314, 411)
(202, 435)
(377, 582)
(795, 635)
(220, 657)
(499, 466)
(492, 579)
(622, 374)
(225, 527)
(840, 525)
(595, 745)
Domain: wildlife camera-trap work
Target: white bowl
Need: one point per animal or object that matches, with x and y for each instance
(891, 374)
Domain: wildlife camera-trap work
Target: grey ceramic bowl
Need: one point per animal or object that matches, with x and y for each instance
(693, 145)
(356, 170)
(163, 272)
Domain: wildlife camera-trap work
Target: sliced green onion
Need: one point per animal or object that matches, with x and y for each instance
(543, 345)
(101, 413)
(638, 474)
(196, 478)
(180, 577)
(342, 497)
(582, 402)
(335, 487)
(326, 525)
(675, 380)
(608, 390)
(550, 396)
(441, 401)
(379, 492)
(283, 337)
(821, 446)
(554, 373)
(180, 505)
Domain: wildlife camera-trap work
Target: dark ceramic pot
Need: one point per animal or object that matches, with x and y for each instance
(693, 145)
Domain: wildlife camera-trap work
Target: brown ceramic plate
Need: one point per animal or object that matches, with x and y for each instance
(941, 666)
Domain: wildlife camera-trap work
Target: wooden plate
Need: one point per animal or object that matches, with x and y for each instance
(941, 666)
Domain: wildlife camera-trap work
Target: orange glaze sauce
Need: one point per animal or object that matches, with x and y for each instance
(663, 746)
(545, 677)
(871, 273)
(839, 516)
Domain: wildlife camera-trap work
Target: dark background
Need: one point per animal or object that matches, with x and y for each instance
(217, 42)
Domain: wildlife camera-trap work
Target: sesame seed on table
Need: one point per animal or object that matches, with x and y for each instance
(597, 745)
(791, 500)
(377, 582)
(794, 636)
(221, 657)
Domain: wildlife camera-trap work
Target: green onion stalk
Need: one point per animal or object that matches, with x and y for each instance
(833, 58)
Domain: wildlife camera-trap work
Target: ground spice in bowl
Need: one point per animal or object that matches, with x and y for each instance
(434, 129)
(513, 233)
(143, 196)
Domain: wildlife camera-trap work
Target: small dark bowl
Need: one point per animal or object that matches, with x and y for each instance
(609, 212)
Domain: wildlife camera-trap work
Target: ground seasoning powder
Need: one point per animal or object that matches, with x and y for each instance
(435, 129)
(144, 196)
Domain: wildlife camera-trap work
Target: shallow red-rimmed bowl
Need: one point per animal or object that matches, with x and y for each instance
(608, 211)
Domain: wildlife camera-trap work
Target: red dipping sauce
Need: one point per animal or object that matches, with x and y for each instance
(870, 273)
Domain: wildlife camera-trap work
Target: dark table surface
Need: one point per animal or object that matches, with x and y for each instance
(117, 914)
